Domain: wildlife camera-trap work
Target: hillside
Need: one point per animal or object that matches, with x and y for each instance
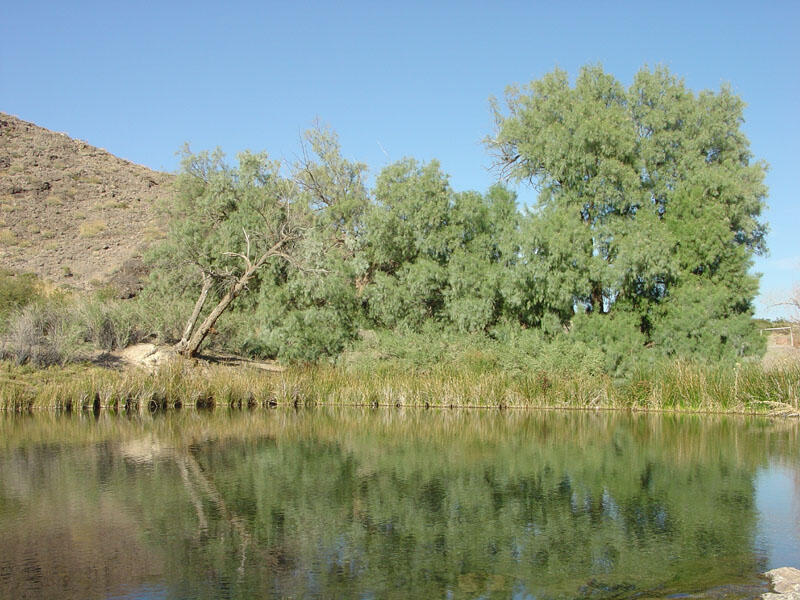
(72, 213)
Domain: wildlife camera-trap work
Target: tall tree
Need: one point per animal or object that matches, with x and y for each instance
(644, 194)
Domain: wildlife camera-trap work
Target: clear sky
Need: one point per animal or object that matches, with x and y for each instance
(394, 79)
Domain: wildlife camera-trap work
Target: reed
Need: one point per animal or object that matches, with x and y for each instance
(674, 386)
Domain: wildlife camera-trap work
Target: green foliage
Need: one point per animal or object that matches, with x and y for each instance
(409, 218)
(473, 292)
(219, 211)
(306, 335)
(617, 337)
(303, 304)
(696, 320)
(646, 196)
(506, 348)
(17, 290)
(435, 254)
(336, 186)
(638, 247)
(112, 325)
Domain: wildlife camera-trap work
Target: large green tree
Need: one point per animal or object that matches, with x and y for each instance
(649, 203)
(227, 223)
(275, 245)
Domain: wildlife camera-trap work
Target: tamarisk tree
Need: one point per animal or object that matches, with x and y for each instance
(226, 224)
(648, 206)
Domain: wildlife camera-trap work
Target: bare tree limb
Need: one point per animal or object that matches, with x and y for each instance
(190, 347)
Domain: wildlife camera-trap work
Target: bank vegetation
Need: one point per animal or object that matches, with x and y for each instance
(626, 283)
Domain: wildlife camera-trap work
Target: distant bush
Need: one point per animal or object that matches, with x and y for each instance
(7, 238)
(46, 329)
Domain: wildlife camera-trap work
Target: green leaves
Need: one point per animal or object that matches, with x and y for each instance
(639, 243)
(643, 193)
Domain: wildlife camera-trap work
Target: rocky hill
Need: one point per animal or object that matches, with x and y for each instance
(72, 213)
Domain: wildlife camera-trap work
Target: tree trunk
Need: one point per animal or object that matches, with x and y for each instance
(597, 299)
(200, 334)
(191, 347)
(207, 281)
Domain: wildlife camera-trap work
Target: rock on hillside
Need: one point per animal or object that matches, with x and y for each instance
(72, 213)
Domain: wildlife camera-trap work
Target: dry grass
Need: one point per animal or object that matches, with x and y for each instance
(112, 204)
(778, 357)
(91, 228)
(7, 238)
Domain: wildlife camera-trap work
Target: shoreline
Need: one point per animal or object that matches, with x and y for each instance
(87, 408)
(682, 388)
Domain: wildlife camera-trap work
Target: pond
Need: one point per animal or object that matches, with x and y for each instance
(386, 503)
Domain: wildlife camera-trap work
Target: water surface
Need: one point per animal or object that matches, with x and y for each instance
(395, 504)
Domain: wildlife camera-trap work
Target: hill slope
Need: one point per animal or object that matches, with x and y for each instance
(72, 213)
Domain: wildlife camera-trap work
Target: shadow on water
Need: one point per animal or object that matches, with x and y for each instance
(386, 503)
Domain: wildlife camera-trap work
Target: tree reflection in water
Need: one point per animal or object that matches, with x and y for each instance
(351, 503)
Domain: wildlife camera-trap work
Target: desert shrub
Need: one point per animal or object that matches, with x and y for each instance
(166, 320)
(91, 228)
(696, 322)
(471, 314)
(57, 329)
(404, 348)
(507, 347)
(17, 290)
(41, 334)
(531, 350)
(112, 325)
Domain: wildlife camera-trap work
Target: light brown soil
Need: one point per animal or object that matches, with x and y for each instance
(72, 213)
(152, 356)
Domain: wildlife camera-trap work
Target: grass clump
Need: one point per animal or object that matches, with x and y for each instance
(112, 325)
(44, 327)
(7, 238)
(91, 228)
(42, 335)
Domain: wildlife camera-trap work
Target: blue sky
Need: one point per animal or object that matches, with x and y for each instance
(393, 79)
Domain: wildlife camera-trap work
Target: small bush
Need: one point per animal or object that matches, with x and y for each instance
(17, 291)
(41, 335)
(165, 319)
(112, 325)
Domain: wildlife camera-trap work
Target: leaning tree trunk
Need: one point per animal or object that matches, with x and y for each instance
(198, 306)
(191, 347)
